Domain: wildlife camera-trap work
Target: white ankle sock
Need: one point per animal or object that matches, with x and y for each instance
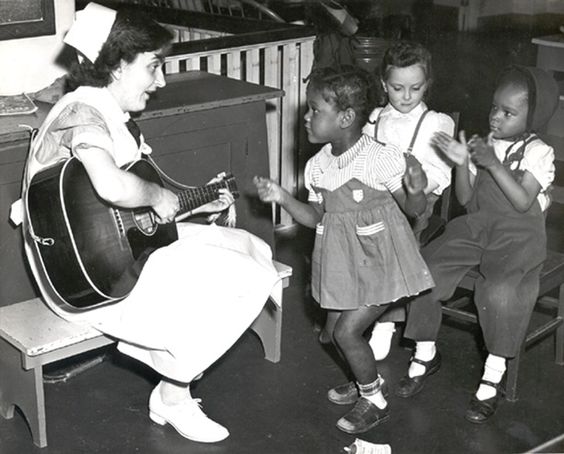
(381, 339)
(425, 351)
(493, 371)
(373, 392)
(378, 399)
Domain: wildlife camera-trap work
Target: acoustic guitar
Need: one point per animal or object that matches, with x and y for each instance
(90, 252)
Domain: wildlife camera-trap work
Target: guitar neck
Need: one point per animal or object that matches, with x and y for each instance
(193, 198)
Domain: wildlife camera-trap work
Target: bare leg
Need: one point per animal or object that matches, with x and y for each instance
(326, 334)
(349, 337)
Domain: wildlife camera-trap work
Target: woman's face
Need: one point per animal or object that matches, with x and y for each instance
(405, 87)
(134, 82)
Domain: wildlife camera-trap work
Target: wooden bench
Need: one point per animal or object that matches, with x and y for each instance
(32, 336)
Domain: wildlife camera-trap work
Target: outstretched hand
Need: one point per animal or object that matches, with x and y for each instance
(268, 190)
(456, 151)
(414, 179)
(482, 151)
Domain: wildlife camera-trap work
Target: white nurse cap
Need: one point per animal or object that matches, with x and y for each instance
(90, 30)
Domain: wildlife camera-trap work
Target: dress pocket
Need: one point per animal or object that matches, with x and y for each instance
(372, 240)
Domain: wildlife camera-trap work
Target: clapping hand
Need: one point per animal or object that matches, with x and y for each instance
(456, 151)
(482, 151)
(414, 178)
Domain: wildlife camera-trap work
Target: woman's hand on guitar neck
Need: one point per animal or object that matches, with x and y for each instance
(224, 201)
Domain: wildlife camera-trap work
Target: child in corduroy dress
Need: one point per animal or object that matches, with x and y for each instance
(365, 254)
(503, 182)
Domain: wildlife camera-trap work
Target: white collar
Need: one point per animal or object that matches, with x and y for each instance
(415, 113)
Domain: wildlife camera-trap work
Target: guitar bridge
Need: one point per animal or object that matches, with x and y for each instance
(119, 222)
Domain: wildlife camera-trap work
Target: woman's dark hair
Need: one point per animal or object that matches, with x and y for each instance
(404, 54)
(346, 87)
(132, 33)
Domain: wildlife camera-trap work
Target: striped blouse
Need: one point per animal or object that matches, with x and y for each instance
(378, 166)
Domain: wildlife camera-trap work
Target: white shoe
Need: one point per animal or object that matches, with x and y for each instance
(381, 339)
(187, 418)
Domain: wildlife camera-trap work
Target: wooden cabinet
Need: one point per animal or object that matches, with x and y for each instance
(15, 283)
(201, 124)
(198, 125)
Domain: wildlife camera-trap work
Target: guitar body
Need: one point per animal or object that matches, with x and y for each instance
(91, 253)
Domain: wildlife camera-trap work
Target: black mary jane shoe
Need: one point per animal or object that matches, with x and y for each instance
(409, 386)
(482, 410)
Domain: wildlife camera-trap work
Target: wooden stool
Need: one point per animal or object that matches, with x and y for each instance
(31, 336)
(551, 279)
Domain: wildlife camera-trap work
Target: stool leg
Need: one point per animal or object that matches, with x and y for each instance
(559, 338)
(23, 388)
(512, 375)
(268, 326)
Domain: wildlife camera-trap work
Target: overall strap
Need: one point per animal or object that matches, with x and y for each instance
(416, 132)
(520, 153)
(376, 123)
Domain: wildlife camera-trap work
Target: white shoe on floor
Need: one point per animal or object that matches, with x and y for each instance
(381, 339)
(187, 418)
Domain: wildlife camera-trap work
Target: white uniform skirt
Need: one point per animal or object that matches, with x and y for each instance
(193, 300)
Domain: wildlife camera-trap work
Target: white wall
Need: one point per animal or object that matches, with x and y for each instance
(28, 64)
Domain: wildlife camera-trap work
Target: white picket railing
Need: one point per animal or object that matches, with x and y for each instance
(279, 64)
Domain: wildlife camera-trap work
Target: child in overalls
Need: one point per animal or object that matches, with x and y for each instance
(502, 181)
(365, 255)
(407, 123)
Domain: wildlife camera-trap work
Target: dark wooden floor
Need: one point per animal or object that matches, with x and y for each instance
(281, 408)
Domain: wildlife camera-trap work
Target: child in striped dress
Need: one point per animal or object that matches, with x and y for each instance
(365, 254)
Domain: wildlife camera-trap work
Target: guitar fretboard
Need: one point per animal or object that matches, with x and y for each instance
(195, 197)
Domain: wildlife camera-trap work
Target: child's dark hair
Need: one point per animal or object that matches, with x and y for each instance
(346, 87)
(517, 78)
(132, 33)
(404, 54)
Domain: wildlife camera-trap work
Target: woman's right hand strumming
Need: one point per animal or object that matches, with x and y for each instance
(166, 206)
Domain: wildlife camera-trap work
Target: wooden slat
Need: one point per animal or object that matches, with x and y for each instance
(289, 124)
(306, 63)
(234, 64)
(172, 66)
(253, 66)
(272, 79)
(214, 64)
(192, 64)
